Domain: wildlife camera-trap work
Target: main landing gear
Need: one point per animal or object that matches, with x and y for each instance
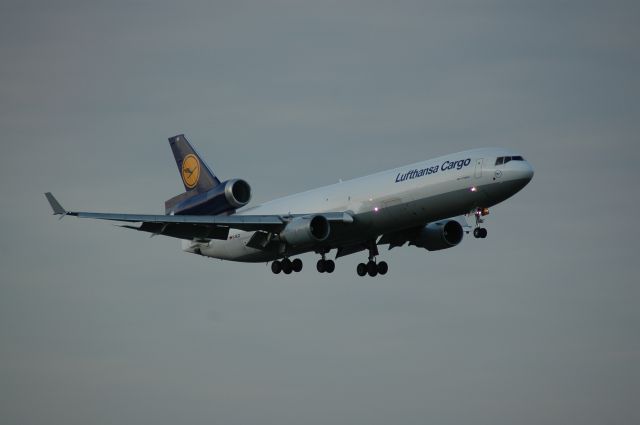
(372, 268)
(286, 266)
(480, 232)
(325, 266)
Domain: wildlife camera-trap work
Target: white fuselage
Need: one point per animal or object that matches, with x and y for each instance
(389, 201)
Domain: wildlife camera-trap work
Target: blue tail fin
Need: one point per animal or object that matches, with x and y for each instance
(195, 173)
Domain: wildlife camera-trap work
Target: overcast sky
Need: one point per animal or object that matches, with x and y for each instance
(537, 324)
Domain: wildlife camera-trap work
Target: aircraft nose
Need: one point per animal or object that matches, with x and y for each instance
(528, 172)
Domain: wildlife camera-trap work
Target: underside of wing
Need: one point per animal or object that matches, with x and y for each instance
(432, 236)
(203, 227)
(183, 231)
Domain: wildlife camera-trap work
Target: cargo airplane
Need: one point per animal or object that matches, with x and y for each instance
(422, 204)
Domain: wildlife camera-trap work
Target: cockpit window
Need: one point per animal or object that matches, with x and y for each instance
(504, 159)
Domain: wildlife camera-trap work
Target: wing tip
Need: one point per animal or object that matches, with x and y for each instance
(55, 205)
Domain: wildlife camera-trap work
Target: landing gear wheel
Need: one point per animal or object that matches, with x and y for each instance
(372, 268)
(321, 266)
(286, 266)
(480, 232)
(383, 267)
(329, 266)
(296, 265)
(361, 269)
(276, 267)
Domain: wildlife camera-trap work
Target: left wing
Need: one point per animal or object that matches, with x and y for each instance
(196, 226)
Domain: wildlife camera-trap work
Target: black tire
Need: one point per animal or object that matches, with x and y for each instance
(361, 269)
(476, 232)
(296, 265)
(329, 266)
(321, 266)
(372, 268)
(483, 233)
(383, 267)
(286, 266)
(276, 267)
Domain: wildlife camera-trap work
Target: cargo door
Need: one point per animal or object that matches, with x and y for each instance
(479, 167)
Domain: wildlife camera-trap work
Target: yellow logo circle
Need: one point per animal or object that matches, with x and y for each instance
(190, 171)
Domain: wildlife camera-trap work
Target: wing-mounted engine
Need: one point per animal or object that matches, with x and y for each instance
(303, 231)
(439, 235)
(223, 198)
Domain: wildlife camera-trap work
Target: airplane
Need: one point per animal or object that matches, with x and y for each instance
(422, 204)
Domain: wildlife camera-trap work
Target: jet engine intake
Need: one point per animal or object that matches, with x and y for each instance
(306, 230)
(439, 235)
(237, 192)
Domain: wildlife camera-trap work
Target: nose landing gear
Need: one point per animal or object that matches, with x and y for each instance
(480, 232)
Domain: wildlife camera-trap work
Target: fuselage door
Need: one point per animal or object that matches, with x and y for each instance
(479, 168)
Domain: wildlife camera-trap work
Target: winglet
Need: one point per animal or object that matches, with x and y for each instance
(55, 205)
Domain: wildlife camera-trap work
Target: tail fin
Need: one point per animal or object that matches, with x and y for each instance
(195, 173)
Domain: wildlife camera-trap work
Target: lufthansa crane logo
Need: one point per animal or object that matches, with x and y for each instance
(190, 171)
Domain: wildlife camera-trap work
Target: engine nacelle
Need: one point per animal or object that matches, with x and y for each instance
(306, 230)
(237, 192)
(225, 197)
(439, 235)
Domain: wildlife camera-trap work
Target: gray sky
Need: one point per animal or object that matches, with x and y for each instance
(537, 324)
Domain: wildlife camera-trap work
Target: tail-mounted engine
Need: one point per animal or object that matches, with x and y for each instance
(223, 198)
(237, 193)
(439, 235)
